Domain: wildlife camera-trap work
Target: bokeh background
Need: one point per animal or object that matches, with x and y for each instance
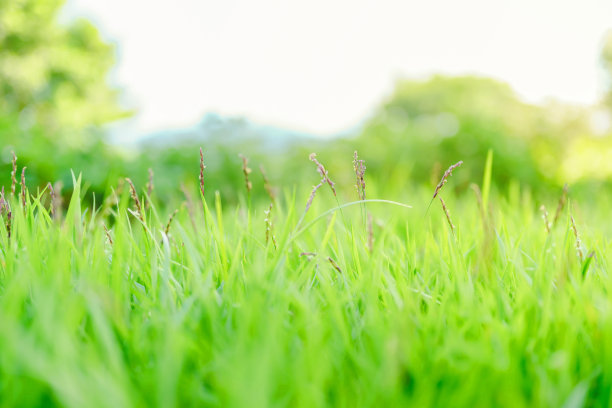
(112, 88)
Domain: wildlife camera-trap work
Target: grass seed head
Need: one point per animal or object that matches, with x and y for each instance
(9, 221)
(167, 229)
(579, 252)
(335, 265)
(545, 218)
(267, 185)
(312, 196)
(134, 195)
(23, 189)
(246, 171)
(51, 199)
(323, 172)
(445, 176)
(359, 168)
(3, 203)
(13, 174)
(202, 167)
(108, 235)
(447, 213)
(269, 226)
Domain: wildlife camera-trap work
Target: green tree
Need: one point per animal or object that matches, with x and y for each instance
(53, 75)
(439, 121)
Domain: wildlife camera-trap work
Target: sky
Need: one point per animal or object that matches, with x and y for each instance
(322, 66)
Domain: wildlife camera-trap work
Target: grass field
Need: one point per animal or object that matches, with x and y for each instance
(369, 304)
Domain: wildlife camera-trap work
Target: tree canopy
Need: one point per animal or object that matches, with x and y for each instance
(53, 75)
(444, 119)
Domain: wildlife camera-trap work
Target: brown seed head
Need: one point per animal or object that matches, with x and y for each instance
(323, 172)
(269, 226)
(9, 218)
(134, 195)
(267, 185)
(445, 176)
(3, 202)
(312, 196)
(13, 175)
(51, 199)
(150, 185)
(202, 167)
(246, 171)
(167, 229)
(334, 264)
(447, 213)
(578, 242)
(359, 168)
(108, 235)
(23, 188)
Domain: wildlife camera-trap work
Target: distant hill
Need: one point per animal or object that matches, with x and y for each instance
(218, 129)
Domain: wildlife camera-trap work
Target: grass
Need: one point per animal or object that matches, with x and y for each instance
(101, 307)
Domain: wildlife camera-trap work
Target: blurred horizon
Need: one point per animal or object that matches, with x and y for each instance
(114, 89)
(322, 69)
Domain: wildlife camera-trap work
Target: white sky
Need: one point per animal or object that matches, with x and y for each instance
(322, 66)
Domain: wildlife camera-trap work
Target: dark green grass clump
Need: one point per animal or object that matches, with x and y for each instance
(365, 303)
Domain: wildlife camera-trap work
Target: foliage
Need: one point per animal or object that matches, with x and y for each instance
(443, 118)
(51, 74)
(234, 302)
(497, 312)
(54, 95)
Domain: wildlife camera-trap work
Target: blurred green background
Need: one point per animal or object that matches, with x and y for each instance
(55, 99)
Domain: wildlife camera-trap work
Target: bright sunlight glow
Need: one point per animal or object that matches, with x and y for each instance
(321, 66)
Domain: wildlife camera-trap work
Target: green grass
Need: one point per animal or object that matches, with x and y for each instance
(498, 313)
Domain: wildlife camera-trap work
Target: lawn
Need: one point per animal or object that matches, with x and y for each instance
(358, 301)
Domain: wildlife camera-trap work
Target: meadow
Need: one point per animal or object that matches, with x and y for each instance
(324, 297)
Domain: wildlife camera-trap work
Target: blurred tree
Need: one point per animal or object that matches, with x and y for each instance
(446, 119)
(53, 75)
